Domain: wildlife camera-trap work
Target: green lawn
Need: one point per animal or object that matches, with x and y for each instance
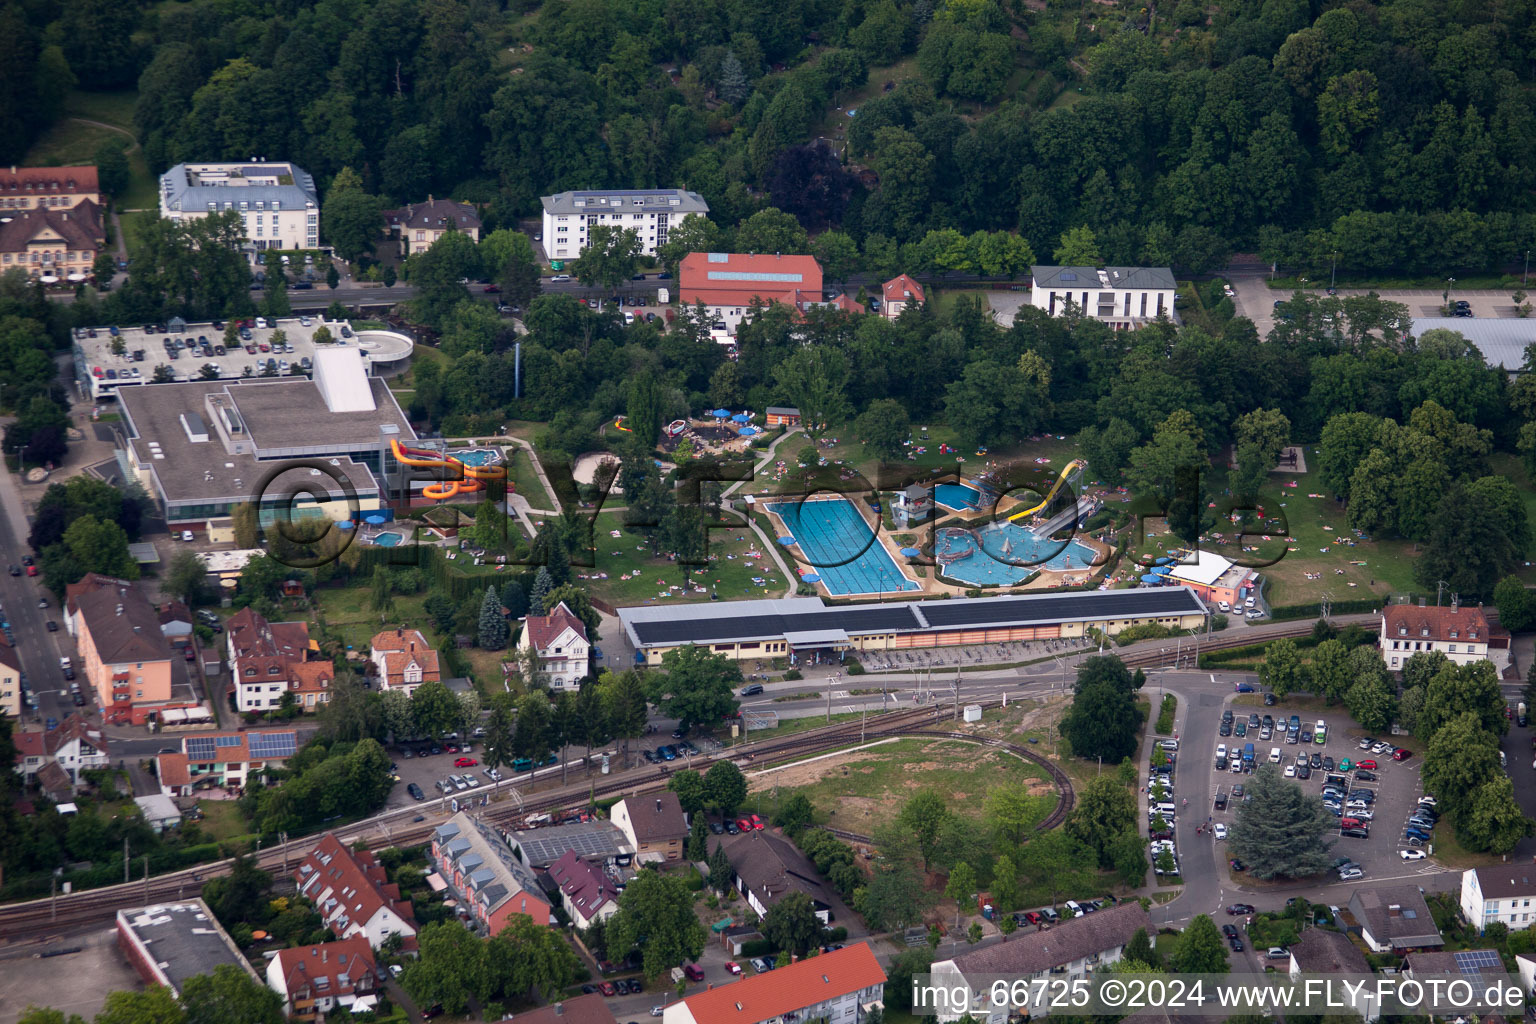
(133, 225)
(866, 789)
(1318, 543)
(527, 483)
(349, 618)
(222, 820)
(629, 554)
(107, 107)
(69, 143)
(1058, 450)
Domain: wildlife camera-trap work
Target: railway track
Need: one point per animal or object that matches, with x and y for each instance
(40, 919)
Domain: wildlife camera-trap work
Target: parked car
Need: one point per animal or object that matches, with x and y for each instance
(415, 791)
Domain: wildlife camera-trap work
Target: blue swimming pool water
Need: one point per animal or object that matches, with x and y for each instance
(1008, 553)
(838, 545)
(478, 456)
(957, 497)
(388, 540)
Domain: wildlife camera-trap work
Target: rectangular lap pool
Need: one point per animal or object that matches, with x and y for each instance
(840, 548)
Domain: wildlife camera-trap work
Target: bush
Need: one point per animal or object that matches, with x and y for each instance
(1165, 715)
(1313, 609)
(853, 668)
(837, 934)
(792, 675)
(757, 947)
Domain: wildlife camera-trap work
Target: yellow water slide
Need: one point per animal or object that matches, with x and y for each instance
(1073, 467)
(469, 478)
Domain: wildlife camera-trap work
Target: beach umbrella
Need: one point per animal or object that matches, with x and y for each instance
(345, 524)
(1149, 578)
(375, 520)
(811, 577)
(910, 552)
(719, 414)
(1161, 561)
(740, 417)
(1162, 570)
(787, 541)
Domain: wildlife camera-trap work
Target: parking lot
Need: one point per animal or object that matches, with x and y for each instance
(1394, 786)
(111, 357)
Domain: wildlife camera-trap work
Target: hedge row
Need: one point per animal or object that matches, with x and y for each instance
(1314, 609)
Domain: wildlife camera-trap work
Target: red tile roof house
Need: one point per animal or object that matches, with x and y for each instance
(58, 243)
(729, 284)
(899, 293)
(264, 659)
(587, 1009)
(404, 660)
(349, 889)
(223, 759)
(75, 745)
(486, 876)
(31, 188)
(561, 640)
(314, 980)
(841, 986)
(1461, 633)
(585, 892)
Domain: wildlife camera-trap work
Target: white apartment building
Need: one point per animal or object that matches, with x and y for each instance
(651, 212)
(1123, 297)
(278, 200)
(1499, 894)
(1461, 634)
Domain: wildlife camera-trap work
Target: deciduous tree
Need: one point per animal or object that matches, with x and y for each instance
(657, 909)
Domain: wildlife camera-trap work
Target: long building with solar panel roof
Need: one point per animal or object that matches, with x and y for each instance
(802, 626)
(223, 760)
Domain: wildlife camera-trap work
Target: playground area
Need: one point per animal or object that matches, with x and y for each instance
(718, 433)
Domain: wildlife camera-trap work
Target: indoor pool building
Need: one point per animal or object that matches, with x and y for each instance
(806, 627)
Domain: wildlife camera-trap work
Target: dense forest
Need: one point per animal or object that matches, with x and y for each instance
(1397, 133)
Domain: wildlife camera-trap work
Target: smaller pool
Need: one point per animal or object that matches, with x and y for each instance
(478, 456)
(957, 497)
(388, 539)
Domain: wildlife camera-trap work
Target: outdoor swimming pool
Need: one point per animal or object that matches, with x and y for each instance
(957, 497)
(478, 456)
(837, 543)
(388, 539)
(1007, 553)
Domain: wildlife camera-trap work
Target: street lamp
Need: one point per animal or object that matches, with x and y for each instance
(1450, 283)
(1527, 274)
(1333, 271)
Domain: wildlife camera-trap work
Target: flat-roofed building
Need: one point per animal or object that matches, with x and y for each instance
(651, 213)
(777, 627)
(1214, 578)
(167, 943)
(202, 447)
(1122, 297)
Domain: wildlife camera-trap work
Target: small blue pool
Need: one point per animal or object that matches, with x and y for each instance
(957, 497)
(388, 539)
(478, 456)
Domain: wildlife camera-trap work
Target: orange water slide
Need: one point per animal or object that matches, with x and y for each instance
(469, 478)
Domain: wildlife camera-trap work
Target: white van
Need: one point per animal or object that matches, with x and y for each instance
(1075, 909)
(1274, 755)
(1224, 606)
(1168, 744)
(1167, 810)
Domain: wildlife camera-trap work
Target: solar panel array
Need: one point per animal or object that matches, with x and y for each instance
(272, 744)
(547, 845)
(226, 741)
(199, 748)
(1473, 960)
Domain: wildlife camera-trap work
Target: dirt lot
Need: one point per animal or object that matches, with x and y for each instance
(863, 789)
